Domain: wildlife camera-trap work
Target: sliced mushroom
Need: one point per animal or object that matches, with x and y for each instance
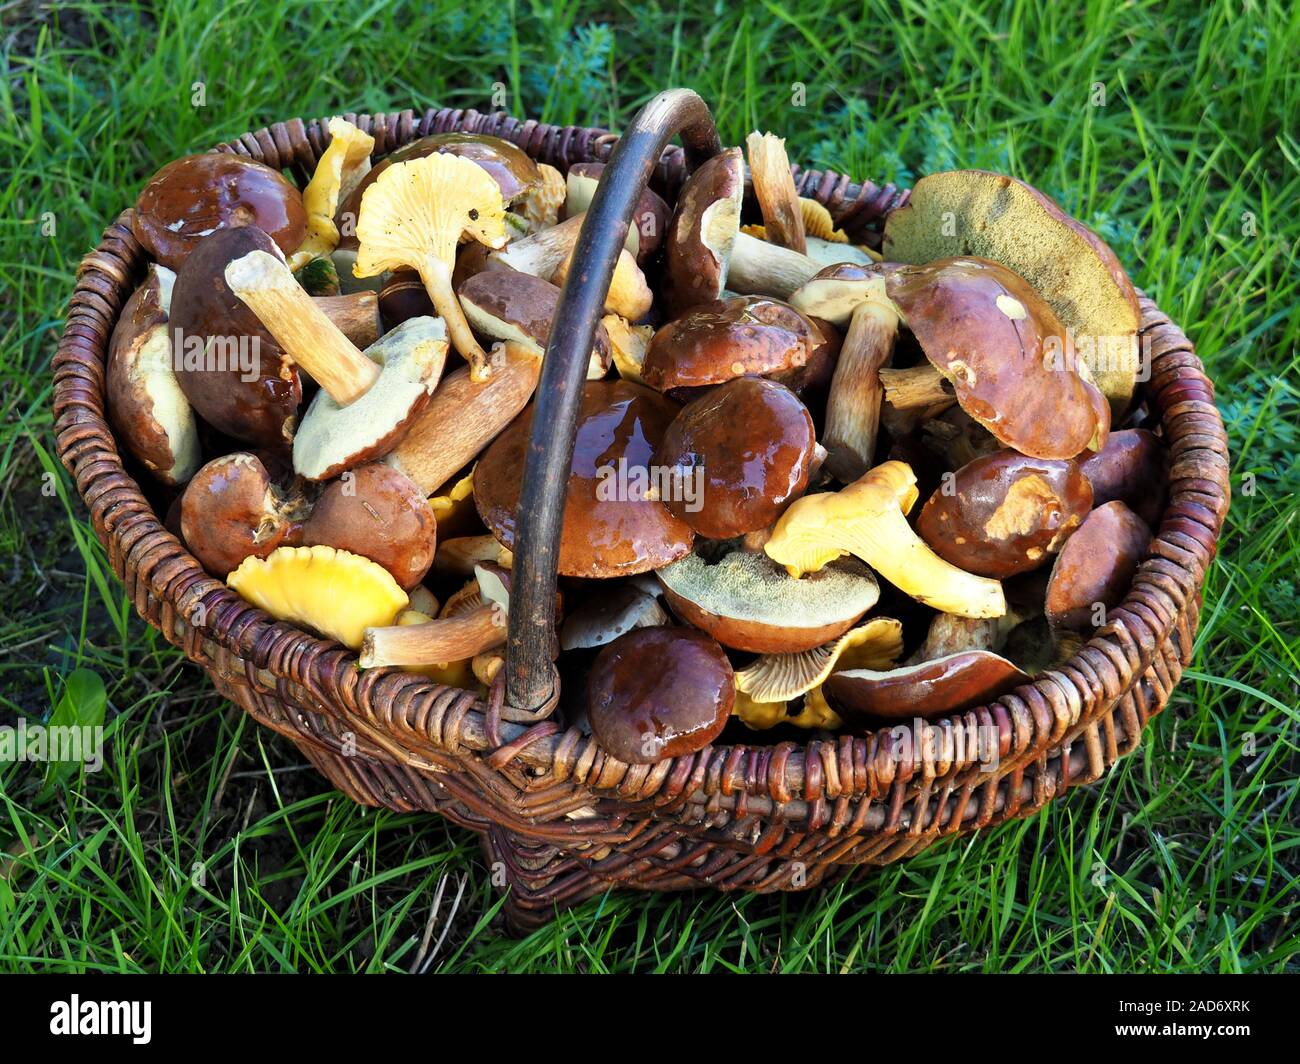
(414, 215)
(656, 693)
(507, 305)
(930, 689)
(232, 509)
(973, 212)
(612, 524)
(195, 196)
(742, 452)
(1005, 513)
(146, 405)
(729, 338)
(1096, 566)
(854, 297)
(463, 417)
(376, 512)
(866, 519)
(331, 591)
(747, 602)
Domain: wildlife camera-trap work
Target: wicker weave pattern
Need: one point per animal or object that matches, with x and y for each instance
(566, 820)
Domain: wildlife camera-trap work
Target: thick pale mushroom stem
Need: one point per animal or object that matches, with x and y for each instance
(301, 327)
(769, 168)
(916, 387)
(446, 639)
(853, 406)
(760, 268)
(436, 276)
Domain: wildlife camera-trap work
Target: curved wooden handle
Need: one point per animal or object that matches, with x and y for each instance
(532, 683)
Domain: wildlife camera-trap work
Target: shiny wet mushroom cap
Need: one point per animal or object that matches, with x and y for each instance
(1093, 572)
(1005, 513)
(729, 338)
(1130, 468)
(145, 403)
(193, 197)
(738, 456)
(703, 232)
(650, 217)
(612, 524)
(656, 693)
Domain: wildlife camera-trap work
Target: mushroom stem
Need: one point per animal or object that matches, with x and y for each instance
(760, 268)
(446, 639)
(853, 406)
(916, 387)
(301, 327)
(769, 168)
(436, 276)
(464, 417)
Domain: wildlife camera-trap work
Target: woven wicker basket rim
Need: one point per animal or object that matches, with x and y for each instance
(1033, 721)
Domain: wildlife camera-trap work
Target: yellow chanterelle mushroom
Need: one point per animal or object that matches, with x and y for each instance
(344, 162)
(414, 215)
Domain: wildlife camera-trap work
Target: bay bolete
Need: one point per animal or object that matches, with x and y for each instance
(747, 602)
(973, 212)
(414, 215)
(1009, 360)
(728, 338)
(367, 399)
(748, 445)
(508, 305)
(656, 693)
(612, 610)
(1095, 567)
(613, 524)
(1005, 513)
(195, 196)
(376, 512)
(145, 403)
(1130, 468)
(853, 298)
(867, 519)
(232, 509)
(705, 251)
(926, 690)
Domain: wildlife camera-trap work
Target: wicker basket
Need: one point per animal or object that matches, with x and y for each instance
(564, 819)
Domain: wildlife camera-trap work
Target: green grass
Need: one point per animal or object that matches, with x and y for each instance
(1185, 858)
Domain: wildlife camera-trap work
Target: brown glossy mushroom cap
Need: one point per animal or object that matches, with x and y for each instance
(974, 212)
(147, 407)
(509, 166)
(932, 688)
(748, 602)
(1007, 355)
(1005, 513)
(610, 528)
(745, 448)
(252, 393)
(729, 338)
(231, 510)
(191, 198)
(1096, 566)
(703, 232)
(1130, 468)
(659, 692)
(505, 304)
(376, 512)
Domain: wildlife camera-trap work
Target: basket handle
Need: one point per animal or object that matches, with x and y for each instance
(532, 682)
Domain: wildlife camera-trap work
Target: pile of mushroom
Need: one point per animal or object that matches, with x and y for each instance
(812, 488)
